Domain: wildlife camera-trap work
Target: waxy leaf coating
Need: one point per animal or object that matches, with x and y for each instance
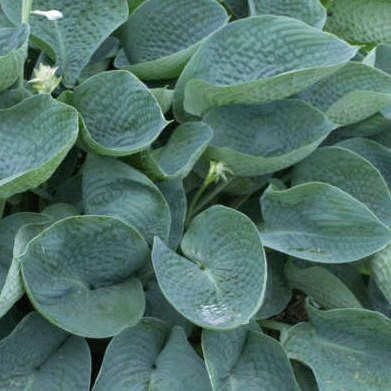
(161, 35)
(319, 222)
(38, 356)
(150, 356)
(79, 274)
(257, 60)
(221, 283)
(35, 137)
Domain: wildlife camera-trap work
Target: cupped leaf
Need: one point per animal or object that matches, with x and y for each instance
(222, 282)
(322, 285)
(345, 348)
(120, 129)
(351, 94)
(35, 137)
(350, 172)
(113, 188)
(380, 265)
(246, 359)
(374, 152)
(72, 40)
(255, 140)
(38, 356)
(13, 51)
(304, 377)
(12, 97)
(178, 156)
(150, 356)
(360, 21)
(174, 192)
(311, 12)
(161, 35)
(319, 222)
(278, 292)
(158, 307)
(257, 60)
(13, 288)
(78, 274)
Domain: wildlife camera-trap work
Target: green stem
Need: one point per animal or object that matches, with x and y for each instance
(193, 203)
(212, 194)
(26, 9)
(274, 325)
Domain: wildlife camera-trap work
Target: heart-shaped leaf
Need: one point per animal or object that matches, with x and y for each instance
(345, 348)
(361, 21)
(122, 129)
(246, 359)
(38, 356)
(256, 140)
(257, 60)
(13, 51)
(72, 39)
(351, 94)
(151, 357)
(311, 12)
(78, 274)
(212, 288)
(113, 188)
(161, 35)
(309, 221)
(350, 172)
(35, 137)
(178, 156)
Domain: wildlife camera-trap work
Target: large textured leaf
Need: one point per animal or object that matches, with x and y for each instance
(161, 35)
(311, 12)
(13, 288)
(13, 50)
(113, 188)
(380, 265)
(123, 128)
(178, 156)
(72, 40)
(319, 222)
(246, 359)
(257, 60)
(361, 21)
(256, 140)
(350, 172)
(174, 192)
(35, 136)
(278, 292)
(347, 349)
(351, 94)
(78, 274)
(12, 97)
(322, 285)
(221, 284)
(374, 152)
(38, 356)
(151, 357)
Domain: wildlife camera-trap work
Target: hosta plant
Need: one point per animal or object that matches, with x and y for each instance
(195, 195)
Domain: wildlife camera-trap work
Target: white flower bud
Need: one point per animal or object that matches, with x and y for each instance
(50, 15)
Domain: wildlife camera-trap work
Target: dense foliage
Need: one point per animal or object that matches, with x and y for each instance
(195, 195)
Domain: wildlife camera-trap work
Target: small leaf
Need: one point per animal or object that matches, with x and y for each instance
(112, 188)
(35, 137)
(345, 348)
(212, 288)
(255, 140)
(321, 223)
(151, 357)
(129, 126)
(79, 274)
(161, 35)
(246, 359)
(38, 356)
